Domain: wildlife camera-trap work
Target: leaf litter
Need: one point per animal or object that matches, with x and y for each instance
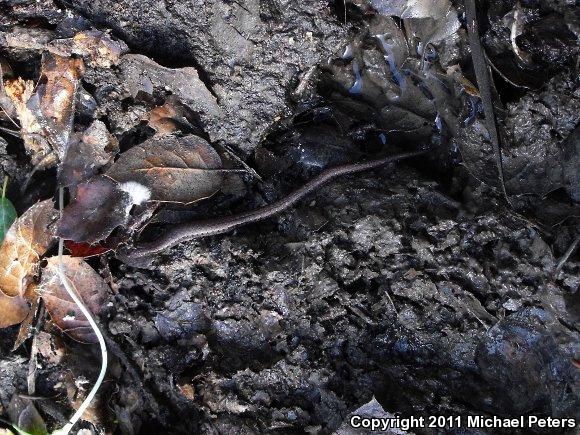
(169, 167)
(87, 284)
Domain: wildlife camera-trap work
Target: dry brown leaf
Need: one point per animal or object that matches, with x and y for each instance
(96, 47)
(171, 169)
(46, 115)
(100, 49)
(88, 285)
(26, 242)
(170, 117)
(86, 154)
(99, 206)
(13, 310)
(54, 100)
(20, 91)
(25, 330)
(162, 119)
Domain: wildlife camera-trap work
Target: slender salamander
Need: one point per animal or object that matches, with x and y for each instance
(204, 228)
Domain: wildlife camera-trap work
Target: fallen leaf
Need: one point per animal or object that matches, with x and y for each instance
(86, 154)
(25, 329)
(13, 310)
(46, 114)
(25, 417)
(187, 390)
(166, 119)
(26, 242)
(101, 49)
(172, 169)
(7, 216)
(430, 20)
(19, 92)
(84, 250)
(87, 284)
(54, 100)
(98, 207)
(96, 47)
(143, 77)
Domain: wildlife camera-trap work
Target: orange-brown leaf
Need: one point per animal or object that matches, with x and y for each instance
(13, 310)
(25, 243)
(25, 330)
(101, 50)
(20, 92)
(172, 169)
(89, 287)
(56, 98)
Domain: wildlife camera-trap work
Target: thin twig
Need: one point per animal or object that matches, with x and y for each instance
(14, 133)
(566, 256)
(484, 81)
(31, 379)
(4, 187)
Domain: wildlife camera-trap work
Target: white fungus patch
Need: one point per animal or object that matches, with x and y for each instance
(138, 193)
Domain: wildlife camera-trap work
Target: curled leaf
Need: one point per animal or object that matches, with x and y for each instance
(25, 330)
(46, 114)
(26, 242)
(20, 92)
(172, 169)
(54, 100)
(167, 118)
(87, 284)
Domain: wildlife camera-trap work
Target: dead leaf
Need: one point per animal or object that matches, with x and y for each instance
(96, 47)
(86, 154)
(54, 100)
(19, 92)
(26, 242)
(98, 207)
(46, 114)
(13, 310)
(143, 77)
(25, 417)
(167, 118)
(429, 20)
(172, 169)
(89, 287)
(51, 347)
(84, 250)
(25, 330)
(187, 390)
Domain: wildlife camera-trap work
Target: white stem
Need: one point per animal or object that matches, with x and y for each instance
(60, 271)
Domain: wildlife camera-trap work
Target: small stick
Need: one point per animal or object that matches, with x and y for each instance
(566, 256)
(31, 378)
(194, 230)
(4, 187)
(484, 83)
